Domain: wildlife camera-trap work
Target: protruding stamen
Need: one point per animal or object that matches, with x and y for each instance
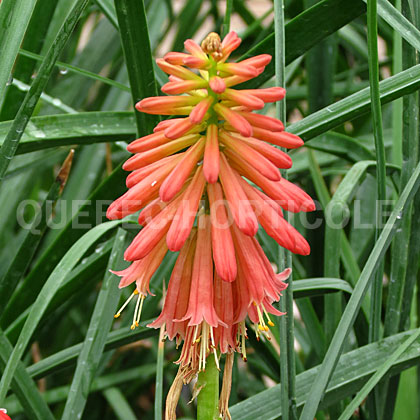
(261, 322)
(243, 336)
(133, 325)
(212, 337)
(142, 297)
(213, 346)
(195, 339)
(204, 345)
(261, 326)
(137, 311)
(117, 315)
(216, 358)
(257, 331)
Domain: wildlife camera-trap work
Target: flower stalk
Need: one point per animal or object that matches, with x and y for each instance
(208, 392)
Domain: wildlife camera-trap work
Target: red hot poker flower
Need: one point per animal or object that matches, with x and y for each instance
(191, 178)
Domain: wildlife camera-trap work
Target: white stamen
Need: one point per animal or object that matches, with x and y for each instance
(142, 297)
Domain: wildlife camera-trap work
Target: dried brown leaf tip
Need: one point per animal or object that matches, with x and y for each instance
(64, 172)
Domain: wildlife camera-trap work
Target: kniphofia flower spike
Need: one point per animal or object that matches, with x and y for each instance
(204, 182)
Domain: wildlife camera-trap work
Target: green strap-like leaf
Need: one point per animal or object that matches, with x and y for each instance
(81, 128)
(319, 286)
(341, 145)
(78, 70)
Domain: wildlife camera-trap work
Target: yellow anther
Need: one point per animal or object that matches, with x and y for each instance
(266, 328)
(137, 310)
(260, 327)
(270, 323)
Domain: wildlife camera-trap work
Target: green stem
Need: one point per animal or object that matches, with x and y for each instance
(159, 376)
(376, 307)
(397, 110)
(287, 354)
(226, 20)
(398, 301)
(208, 397)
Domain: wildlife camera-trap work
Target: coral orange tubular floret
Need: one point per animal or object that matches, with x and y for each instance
(192, 180)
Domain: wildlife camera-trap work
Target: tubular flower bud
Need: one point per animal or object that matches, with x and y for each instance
(211, 155)
(3, 414)
(190, 179)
